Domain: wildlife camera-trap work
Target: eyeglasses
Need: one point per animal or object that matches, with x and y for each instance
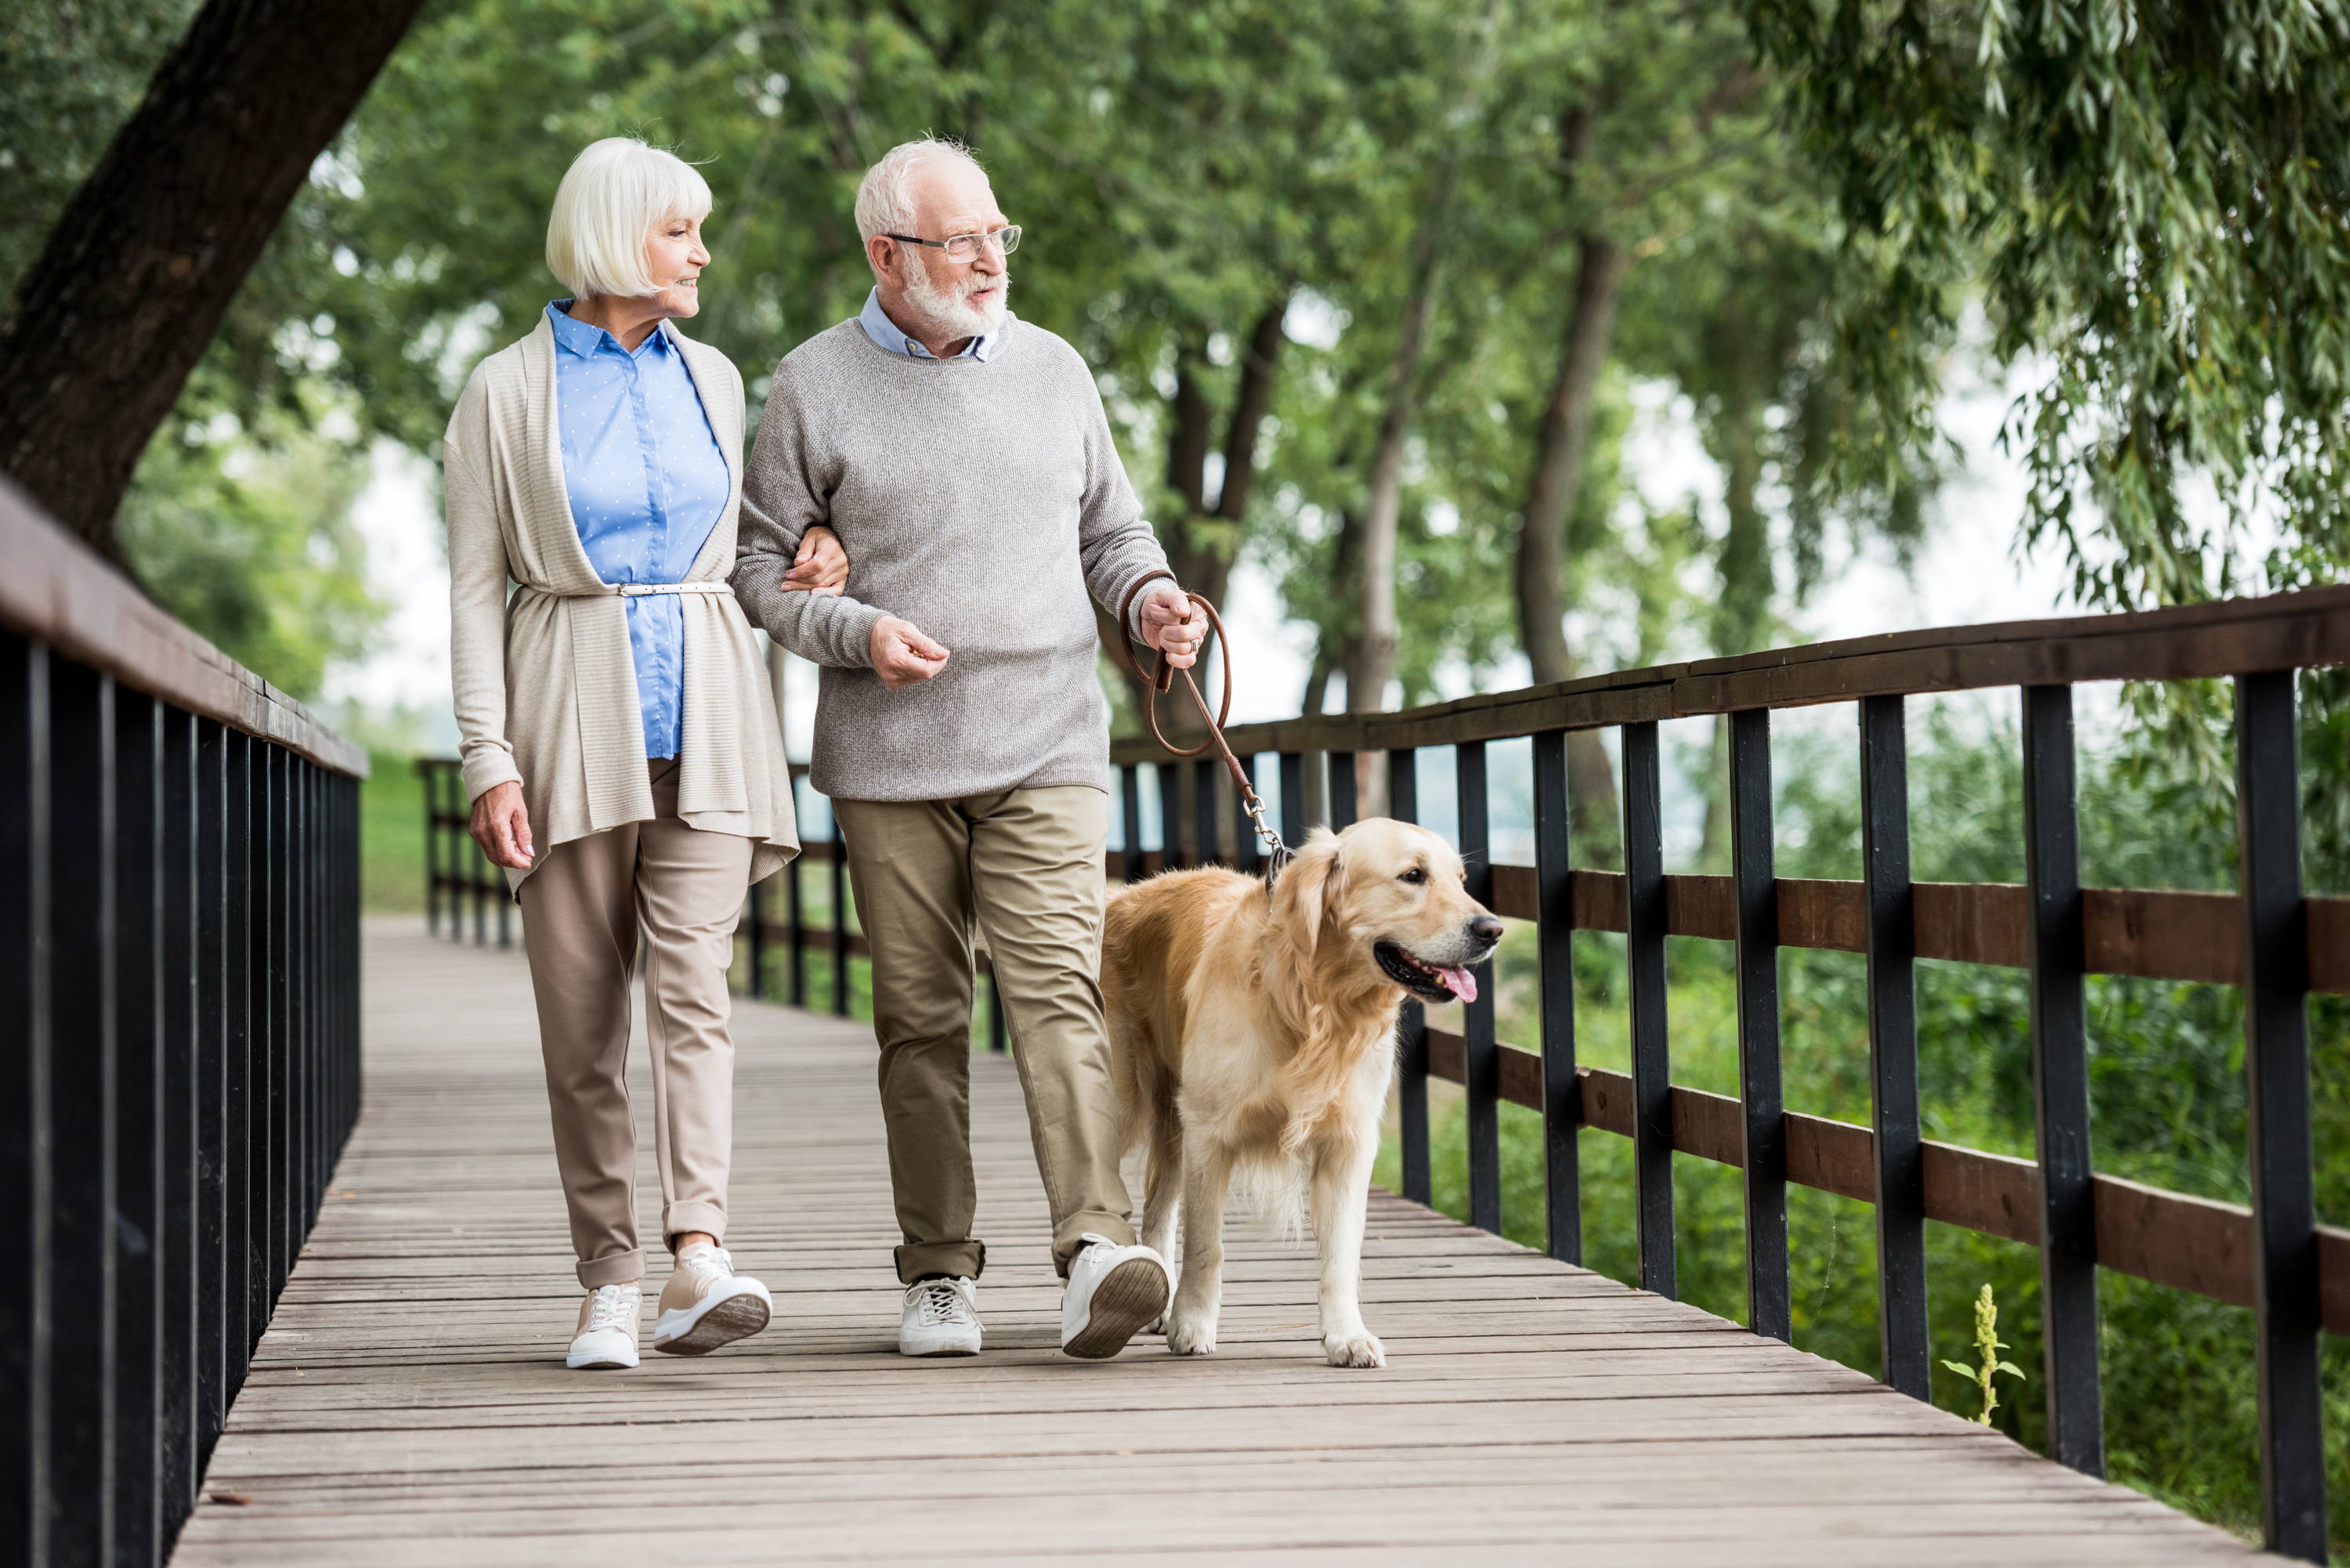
(964, 248)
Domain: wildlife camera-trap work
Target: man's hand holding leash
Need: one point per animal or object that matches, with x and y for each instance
(1171, 626)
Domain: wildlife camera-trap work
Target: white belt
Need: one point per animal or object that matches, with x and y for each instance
(638, 590)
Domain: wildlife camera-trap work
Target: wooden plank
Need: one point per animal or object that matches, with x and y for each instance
(408, 1405)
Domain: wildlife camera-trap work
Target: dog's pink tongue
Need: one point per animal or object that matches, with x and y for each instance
(1464, 983)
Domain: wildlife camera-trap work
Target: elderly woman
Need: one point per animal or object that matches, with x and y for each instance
(621, 746)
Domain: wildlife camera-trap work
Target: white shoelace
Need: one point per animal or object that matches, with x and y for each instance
(613, 1306)
(940, 1303)
(710, 1262)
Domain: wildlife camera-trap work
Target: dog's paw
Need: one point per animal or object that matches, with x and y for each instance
(1358, 1349)
(1190, 1337)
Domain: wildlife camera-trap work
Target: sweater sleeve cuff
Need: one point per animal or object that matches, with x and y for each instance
(1133, 611)
(487, 765)
(856, 624)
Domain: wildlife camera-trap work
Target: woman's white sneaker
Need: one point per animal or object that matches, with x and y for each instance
(940, 1317)
(606, 1339)
(1113, 1291)
(706, 1304)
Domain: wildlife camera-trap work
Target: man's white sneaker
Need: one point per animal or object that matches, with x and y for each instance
(1113, 1291)
(940, 1317)
(706, 1304)
(606, 1338)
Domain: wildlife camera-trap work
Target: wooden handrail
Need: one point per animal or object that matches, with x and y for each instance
(55, 589)
(2173, 1239)
(2232, 636)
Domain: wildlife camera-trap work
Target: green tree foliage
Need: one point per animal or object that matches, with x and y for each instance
(2152, 203)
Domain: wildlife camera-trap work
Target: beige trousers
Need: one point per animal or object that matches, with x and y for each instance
(1026, 865)
(584, 910)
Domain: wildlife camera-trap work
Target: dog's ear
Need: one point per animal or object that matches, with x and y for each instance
(1305, 896)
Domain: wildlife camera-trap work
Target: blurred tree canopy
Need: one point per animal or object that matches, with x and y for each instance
(2152, 204)
(1392, 277)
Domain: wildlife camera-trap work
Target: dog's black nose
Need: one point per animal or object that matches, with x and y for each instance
(1485, 929)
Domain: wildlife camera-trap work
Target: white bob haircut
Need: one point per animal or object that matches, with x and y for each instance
(614, 193)
(885, 203)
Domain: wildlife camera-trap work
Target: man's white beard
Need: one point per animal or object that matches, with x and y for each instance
(949, 312)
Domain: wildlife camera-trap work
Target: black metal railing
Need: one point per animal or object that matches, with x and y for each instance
(2277, 945)
(178, 959)
(461, 889)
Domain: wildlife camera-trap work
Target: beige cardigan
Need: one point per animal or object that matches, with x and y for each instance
(545, 681)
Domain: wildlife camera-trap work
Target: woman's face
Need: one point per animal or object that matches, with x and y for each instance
(673, 260)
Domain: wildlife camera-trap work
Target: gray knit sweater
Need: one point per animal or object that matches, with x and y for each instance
(981, 501)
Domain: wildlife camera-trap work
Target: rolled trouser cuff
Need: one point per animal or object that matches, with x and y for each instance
(961, 1260)
(693, 1215)
(613, 1268)
(1069, 1235)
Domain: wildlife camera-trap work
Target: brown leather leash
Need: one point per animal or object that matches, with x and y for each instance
(1157, 685)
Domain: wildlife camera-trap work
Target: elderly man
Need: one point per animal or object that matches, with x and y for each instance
(963, 457)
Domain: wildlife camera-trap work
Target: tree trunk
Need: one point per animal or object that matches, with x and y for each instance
(140, 268)
(1742, 607)
(1560, 446)
(1372, 661)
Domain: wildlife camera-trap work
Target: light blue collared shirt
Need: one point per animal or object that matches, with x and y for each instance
(648, 484)
(885, 334)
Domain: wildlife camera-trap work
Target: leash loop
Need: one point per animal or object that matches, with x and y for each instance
(1155, 683)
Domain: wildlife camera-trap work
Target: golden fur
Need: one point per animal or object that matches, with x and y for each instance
(1255, 1033)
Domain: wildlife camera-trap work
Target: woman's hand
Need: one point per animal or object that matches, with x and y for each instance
(502, 827)
(821, 566)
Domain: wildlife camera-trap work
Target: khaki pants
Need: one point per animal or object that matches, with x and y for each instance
(584, 910)
(1027, 865)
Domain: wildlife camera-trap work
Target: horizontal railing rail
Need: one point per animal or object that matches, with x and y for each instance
(2265, 938)
(179, 957)
(461, 886)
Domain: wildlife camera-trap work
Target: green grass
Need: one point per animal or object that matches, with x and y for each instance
(391, 835)
(2181, 1404)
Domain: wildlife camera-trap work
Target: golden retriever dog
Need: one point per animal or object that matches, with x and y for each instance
(1254, 1035)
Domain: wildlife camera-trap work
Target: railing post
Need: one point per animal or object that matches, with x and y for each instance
(1764, 1126)
(2276, 1078)
(1411, 1026)
(239, 1052)
(1554, 936)
(999, 1034)
(1484, 1053)
(427, 778)
(178, 1040)
(1893, 1047)
(133, 1225)
(1129, 793)
(1342, 791)
(1171, 817)
(1247, 853)
(79, 1399)
(27, 840)
(1203, 809)
(839, 921)
(796, 918)
(2060, 1084)
(214, 987)
(1292, 798)
(1644, 956)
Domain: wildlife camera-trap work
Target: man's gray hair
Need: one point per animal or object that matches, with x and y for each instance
(883, 203)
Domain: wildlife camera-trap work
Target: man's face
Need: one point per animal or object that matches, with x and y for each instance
(967, 297)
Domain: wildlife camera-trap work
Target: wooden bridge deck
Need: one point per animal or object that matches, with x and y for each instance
(410, 1403)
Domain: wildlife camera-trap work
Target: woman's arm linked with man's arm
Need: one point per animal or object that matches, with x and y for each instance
(783, 502)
